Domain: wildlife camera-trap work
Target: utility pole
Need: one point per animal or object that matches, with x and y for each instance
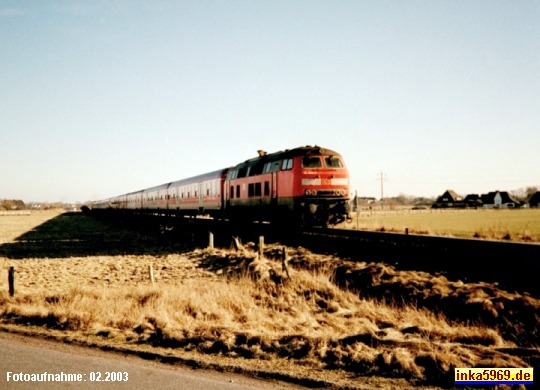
(357, 209)
(381, 177)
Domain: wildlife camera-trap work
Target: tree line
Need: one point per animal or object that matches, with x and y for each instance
(12, 204)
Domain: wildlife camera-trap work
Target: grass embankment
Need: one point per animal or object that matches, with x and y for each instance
(332, 321)
(512, 224)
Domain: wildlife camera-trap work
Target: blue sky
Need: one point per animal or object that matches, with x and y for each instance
(100, 98)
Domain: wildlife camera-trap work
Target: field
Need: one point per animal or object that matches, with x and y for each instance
(521, 225)
(325, 322)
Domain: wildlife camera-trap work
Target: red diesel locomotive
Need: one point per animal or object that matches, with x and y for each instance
(307, 186)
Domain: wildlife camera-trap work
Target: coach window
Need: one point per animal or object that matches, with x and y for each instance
(287, 164)
(242, 172)
(256, 169)
(311, 162)
(232, 192)
(266, 188)
(251, 190)
(238, 190)
(272, 167)
(257, 189)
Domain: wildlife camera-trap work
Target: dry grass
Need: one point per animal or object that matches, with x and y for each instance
(515, 225)
(332, 321)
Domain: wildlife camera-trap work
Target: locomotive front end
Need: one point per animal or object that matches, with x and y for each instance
(323, 188)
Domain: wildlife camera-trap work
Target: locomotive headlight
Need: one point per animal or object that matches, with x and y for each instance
(308, 192)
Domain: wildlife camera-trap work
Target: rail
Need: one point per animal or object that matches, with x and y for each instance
(514, 265)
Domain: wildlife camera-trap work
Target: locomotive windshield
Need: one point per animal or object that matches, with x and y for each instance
(311, 162)
(333, 162)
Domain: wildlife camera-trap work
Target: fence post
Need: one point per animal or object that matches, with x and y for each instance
(210, 240)
(11, 281)
(151, 272)
(284, 260)
(261, 246)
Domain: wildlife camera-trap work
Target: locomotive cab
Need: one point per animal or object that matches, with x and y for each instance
(323, 188)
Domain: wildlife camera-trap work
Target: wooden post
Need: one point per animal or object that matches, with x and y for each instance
(236, 243)
(151, 272)
(11, 281)
(210, 240)
(284, 265)
(261, 246)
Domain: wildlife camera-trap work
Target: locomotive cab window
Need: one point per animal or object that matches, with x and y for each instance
(333, 162)
(311, 162)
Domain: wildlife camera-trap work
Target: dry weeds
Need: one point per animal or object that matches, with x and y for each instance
(332, 321)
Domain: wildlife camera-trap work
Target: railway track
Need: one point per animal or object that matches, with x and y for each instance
(514, 266)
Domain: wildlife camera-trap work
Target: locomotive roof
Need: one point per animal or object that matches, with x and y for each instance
(290, 153)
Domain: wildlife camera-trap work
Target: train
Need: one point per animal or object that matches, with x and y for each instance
(304, 186)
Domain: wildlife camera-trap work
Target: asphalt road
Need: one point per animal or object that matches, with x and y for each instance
(27, 355)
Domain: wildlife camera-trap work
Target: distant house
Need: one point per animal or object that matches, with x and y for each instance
(361, 201)
(472, 200)
(499, 199)
(449, 199)
(534, 200)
